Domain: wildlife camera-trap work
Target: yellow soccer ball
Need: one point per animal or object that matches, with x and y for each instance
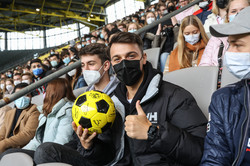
(94, 110)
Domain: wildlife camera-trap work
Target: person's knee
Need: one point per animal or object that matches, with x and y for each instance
(43, 152)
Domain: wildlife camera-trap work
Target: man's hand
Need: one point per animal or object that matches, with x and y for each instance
(85, 138)
(137, 126)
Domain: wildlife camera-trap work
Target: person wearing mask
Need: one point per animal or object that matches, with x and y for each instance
(95, 66)
(133, 27)
(26, 78)
(65, 56)
(104, 33)
(55, 118)
(162, 10)
(205, 10)
(136, 18)
(38, 71)
(17, 78)
(164, 125)
(46, 64)
(228, 138)
(20, 123)
(192, 41)
(75, 77)
(9, 74)
(9, 87)
(93, 39)
(148, 35)
(73, 53)
(211, 55)
(218, 14)
(122, 27)
(55, 62)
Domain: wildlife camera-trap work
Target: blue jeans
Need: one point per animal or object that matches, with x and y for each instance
(163, 59)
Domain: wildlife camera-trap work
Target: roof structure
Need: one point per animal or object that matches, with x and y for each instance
(27, 15)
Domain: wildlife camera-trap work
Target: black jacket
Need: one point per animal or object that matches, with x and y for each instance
(175, 111)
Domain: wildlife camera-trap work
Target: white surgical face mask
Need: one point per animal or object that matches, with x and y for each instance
(150, 20)
(9, 88)
(26, 81)
(92, 76)
(72, 72)
(2, 86)
(203, 4)
(238, 63)
(79, 46)
(22, 102)
(192, 39)
(132, 30)
(231, 17)
(17, 82)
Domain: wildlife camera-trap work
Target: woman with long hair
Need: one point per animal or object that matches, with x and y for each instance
(192, 41)
(55, 118)
(211, 53)
(75, 77)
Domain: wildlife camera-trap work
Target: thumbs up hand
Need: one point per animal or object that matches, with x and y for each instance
(137, 126)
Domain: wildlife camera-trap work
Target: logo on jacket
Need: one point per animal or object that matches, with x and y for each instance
(152, 117)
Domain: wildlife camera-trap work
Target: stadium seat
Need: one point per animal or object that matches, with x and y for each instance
(201, 82)
(16, 159)
(38, 100)
(78, 92)
(153, 55)
(227, 77)
(54, 164)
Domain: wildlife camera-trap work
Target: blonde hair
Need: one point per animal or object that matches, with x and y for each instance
(215, 8)
(183, 51)
(146, 17)
(137, 25)
(227, 9)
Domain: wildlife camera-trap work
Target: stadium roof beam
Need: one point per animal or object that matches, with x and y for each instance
(52, 14)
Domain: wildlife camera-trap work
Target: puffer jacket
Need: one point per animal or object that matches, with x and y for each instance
(228, 127)
(56, 127)
(181, 124)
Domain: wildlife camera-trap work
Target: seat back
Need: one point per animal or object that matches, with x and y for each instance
(16, 159)
(200, 81)
(38, 99)
(227, 77)
(79, 91)
(153, 55)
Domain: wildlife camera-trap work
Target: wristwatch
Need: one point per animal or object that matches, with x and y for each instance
(152, 132)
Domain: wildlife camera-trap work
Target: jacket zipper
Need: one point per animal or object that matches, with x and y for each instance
(242, 141)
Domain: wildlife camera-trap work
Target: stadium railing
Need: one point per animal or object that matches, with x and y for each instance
(63, 71)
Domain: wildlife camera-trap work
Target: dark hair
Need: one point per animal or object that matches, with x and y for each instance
(57, 55)
(95, 49)
(55, 91)
(73, 49)
(113, 31)
(64, 52)
(35, 61)
(20, 86)
(125, 37)
(17, 74)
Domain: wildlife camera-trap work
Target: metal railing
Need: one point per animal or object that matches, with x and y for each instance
(64, 70)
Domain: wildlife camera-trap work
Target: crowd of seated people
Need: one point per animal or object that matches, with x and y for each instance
(184, 41)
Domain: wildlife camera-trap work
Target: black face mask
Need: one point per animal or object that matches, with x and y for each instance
(142, 21)
(128, 72)
(171, 9)
(221, 3)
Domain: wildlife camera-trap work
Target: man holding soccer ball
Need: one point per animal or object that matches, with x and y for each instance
(163, 124)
